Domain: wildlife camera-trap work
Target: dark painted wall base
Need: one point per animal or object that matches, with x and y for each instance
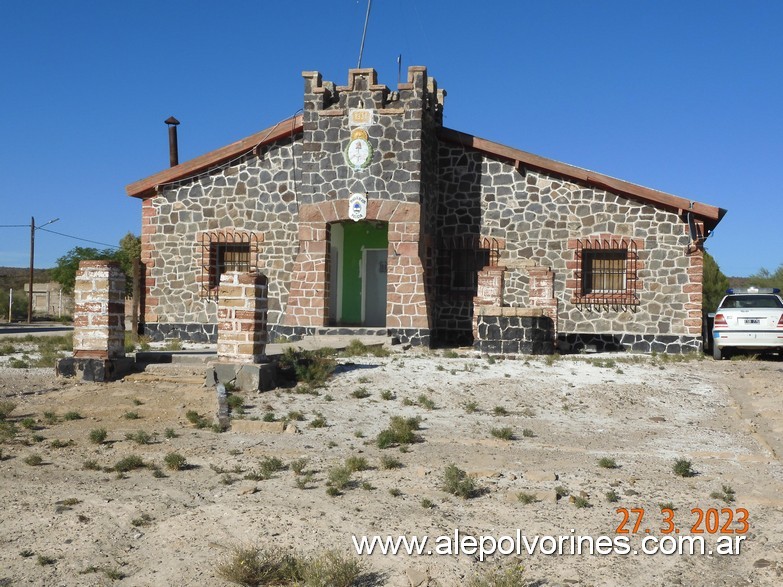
(514, 335)
(640, 343)
(99, 370)
(194, 332)
(412, 336)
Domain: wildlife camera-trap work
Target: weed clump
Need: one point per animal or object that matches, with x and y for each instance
(318, 422)
(401, 431)
(339, 479)
(389, 462)
(607, 463)
(98, 435)
(526, 498)
(503, 576)
(360, 393)
(267, 467)
(726, 494)
(310, 367)
(34, 460)
(682, 468)
(129, 463)
(6, 407)
(252, 566)
(196, 419)
(139, 437)
(175, 461)
(355, 464)
(457, 482)
(505, 433)
(357, 348)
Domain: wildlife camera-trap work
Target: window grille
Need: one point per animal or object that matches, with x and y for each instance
(460, 258)
(606, 272)
(225, 251)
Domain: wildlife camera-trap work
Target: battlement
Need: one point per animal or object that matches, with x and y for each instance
(364, 91)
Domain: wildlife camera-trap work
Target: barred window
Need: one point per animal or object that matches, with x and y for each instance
(460, 258)
(226, 250)
(465, 265)
(227, 257)
(605, 271)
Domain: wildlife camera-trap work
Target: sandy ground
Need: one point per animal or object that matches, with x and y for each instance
(725, 417)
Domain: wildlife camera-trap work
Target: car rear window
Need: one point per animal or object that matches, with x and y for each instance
(752, 301)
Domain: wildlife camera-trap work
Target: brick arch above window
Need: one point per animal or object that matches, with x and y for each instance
(226, 249)
(605, 270)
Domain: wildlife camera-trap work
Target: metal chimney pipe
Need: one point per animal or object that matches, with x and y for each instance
(173, 150)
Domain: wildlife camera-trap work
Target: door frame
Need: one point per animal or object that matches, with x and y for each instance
(364, 281)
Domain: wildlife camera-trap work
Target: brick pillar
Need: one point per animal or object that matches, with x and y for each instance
(99, 311)
(693, 321)
(149, 302)
(242, 317)
(541, 293)
(488, 293)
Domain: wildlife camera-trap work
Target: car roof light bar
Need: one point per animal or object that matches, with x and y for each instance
(753, 290)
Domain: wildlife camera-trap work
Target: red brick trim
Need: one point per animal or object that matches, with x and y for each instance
(309, 291)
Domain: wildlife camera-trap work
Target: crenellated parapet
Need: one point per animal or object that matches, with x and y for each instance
(363, 91)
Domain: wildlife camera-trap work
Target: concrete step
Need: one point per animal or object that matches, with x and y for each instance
(309, 343)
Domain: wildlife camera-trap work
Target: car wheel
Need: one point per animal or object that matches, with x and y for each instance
(717, 353)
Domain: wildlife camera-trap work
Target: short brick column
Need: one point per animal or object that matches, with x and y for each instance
(99, 311)
(242, 317)
(489, 291)
(541, 292)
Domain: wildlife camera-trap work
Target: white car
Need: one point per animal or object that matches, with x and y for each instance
(748, 318)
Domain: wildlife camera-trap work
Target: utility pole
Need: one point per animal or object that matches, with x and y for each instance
(32, 264)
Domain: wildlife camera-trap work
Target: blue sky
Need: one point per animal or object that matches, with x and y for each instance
(684, 97)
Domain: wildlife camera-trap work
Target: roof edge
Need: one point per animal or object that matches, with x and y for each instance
(146, 187)
(711, 215)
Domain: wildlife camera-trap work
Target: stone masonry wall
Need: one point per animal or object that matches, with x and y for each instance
(258, 195)
(513, 331)
(392, 183)
(537, 214)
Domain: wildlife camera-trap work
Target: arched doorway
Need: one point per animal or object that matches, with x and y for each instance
(358, 263)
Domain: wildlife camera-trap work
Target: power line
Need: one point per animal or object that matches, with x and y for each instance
(14, 226)
(79, 238)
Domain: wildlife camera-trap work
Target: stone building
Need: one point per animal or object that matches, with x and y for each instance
(366, 214)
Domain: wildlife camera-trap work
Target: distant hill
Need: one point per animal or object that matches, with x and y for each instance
(16, 277)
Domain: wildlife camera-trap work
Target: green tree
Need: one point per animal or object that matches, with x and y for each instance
(65, 270)
(130, 249)
(763, 278)
(714, 284)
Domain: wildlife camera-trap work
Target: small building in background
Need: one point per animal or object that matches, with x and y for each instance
(49, 299)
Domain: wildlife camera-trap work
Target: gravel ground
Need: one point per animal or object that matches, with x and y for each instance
(564, 414)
